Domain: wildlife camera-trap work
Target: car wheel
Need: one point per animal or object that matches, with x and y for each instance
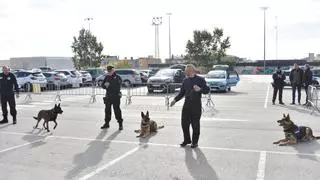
(126, 83)
(229, 89)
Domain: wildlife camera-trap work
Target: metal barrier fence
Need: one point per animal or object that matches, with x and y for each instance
(314, 98)
(166, 90)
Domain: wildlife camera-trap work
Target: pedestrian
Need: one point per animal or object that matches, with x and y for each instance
(192, 88)
(307, 80)
(296, 76)
(112, 83)
(8, 83)
(278, 84)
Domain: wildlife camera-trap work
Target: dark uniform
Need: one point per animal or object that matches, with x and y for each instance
(296, 76)
(8, 83)
(307, 80)
(278, 84)
(113, 97)
(192, 108)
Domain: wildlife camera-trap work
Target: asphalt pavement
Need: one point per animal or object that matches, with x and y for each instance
(235, 140)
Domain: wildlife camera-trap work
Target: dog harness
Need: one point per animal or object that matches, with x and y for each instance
(298, 133)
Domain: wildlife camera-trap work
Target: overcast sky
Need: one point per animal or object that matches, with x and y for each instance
(46, 27)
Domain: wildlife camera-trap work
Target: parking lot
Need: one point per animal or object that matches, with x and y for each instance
(235, 140)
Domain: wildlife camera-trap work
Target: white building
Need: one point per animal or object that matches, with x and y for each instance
(36, 62)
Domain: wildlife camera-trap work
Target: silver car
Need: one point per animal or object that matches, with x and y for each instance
(129, 77)
(55, 79)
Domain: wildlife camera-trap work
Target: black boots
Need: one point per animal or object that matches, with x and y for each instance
(120, 126)
(106, 126)
(4, 120)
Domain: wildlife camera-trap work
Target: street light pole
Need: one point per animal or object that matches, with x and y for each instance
(156, 21)
(89, 19)
(276, 28)
(264, 38)
(169, 14)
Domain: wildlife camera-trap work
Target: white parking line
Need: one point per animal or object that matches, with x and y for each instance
(109, 164)
(267, 98)
(22, 145)
(166, 145)
(262, 165)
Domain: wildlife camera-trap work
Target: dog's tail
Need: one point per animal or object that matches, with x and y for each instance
(316, 137)
(160, 127)
(36, 118)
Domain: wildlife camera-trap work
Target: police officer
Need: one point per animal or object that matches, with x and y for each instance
(8, 82)
(307, 80)
(192, 88)
(112, 83)
(278, 84)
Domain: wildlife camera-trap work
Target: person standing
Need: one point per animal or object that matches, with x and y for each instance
(307, 80)
(8, 83)
(296, 76)
(278, 84)
(112, 83)
(192, 88)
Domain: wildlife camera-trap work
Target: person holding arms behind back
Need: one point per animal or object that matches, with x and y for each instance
(278, 83)
(192, 88)
(8, 82)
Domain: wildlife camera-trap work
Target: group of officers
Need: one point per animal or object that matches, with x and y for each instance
(299, 78)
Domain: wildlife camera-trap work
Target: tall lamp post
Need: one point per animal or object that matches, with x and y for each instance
(89, 19)
(169, 15)
(157, 21)
(264, 38)
(276, 28)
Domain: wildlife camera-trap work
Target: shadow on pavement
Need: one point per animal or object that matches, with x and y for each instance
(35, 135)
(146, 140)
(199, 167)
(310, 147)
(4, 126)
(92, 156)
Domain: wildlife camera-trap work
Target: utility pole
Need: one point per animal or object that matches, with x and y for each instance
(89, 19)
(157, 21)
(169, 15)
(264, 38)
(276, 28)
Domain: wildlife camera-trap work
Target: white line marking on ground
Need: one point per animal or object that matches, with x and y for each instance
(22, 145)
(267, 98)
(109, 164)
(164, 145)
(262, 165)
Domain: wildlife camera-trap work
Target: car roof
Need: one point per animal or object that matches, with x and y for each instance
(220, 71)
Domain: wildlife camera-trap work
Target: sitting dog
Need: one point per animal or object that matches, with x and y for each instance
(49, 115)
(293, 133)
(147, 126)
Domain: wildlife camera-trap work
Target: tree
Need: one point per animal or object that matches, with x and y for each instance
(207, 49)
(87, 51)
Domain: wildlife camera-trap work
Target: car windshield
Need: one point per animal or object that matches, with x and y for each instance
(165, 72)
(216, 75)
(37, 74)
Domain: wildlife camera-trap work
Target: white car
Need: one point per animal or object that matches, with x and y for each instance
(26, 79)
(86, 77)
(74, 79)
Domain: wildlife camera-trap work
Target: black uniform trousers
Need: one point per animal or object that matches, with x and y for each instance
(115, 102)
(294, 88)
(8, 98)
(275, 92)
(191, 115)
(307, 94)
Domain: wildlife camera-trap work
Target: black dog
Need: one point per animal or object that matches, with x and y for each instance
(49, 115)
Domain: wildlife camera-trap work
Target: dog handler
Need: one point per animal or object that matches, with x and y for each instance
(8, 82)
(192, 88)
(112, 83)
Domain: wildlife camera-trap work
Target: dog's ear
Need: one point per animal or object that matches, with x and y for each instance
(288, 116)
(147, 114)
(59, 105)
(284, 115)
(142, 114)
(55, 105)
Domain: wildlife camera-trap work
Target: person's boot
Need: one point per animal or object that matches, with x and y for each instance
(120, 126)
(14, 119)
(4, 120)
(105, 126)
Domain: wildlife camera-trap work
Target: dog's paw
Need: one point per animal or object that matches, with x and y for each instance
(277, 142)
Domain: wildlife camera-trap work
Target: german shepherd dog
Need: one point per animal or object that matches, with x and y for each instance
(293, 133)
(147, 126)
(48, 115)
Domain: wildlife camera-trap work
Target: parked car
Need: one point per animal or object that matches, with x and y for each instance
(94, 72)
(166, 80)
(287, 80)
(55, 79)
(222, 80)
(316, 76)
(129, 77)
(74, 80)
(26, 79)
(144, 77)
(46, 69)
(147, 72)
(86, 77)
